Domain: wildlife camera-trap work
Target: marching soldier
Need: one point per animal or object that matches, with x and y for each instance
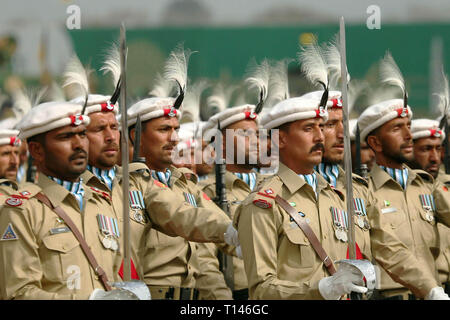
(428, 138)
(150, 204)
(9, 153)
(404, 236)
(171, 264)
(333, 173)
(280, 260)
(39, 241)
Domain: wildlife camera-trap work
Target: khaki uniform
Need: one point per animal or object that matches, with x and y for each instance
(443, 261)
(279, 260)
(160, 210)
(404, 234)
(360, 192)
(40, 261)
(237, 191)
(173, 261)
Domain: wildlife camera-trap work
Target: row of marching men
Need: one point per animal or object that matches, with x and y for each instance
(284, 232)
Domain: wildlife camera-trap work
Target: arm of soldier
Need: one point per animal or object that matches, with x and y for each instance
(441, 196)
(210, 281)
(395, 257)
(175, 217)
(21, 269)
(205, 201)
(259, 231)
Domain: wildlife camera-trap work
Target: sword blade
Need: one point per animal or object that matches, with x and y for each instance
(124, 148)
(347, 146)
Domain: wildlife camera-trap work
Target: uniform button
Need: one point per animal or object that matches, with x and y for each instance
(64, 247)
(305, 239)
(324, 236)
(96, 277)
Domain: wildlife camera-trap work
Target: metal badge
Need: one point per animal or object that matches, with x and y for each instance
(337, 234)
(344, 236)
(138, 216)
(114, 245)
(360, 222)
(107, 242)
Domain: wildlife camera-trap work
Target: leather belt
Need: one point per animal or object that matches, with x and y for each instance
(309, 234)
(173, 293)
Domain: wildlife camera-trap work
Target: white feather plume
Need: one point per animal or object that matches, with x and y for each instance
(112, 63)
(356, 89)
(162, 87)
(279, 82)
(443, 95)
(191, 102)
(76, 78)
(25, 99)
(313, 63)
(220, 98)
(176, 66)
(258, 77)
(333, 57)
(390, 73)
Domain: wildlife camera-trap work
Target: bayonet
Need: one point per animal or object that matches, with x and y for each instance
(137, 141)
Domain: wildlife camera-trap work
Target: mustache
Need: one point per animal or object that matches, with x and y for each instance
(113, 146)
(316, 147)
(77, 153)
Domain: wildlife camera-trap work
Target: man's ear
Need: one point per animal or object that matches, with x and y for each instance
(131, 135)
(282, 140)
(374, 143)
(37, 151)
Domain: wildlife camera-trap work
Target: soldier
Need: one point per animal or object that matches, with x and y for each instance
(171, 264)
(279, 259)
(40, 258)
(404, 235)
(333, 173)
(9, 153)
(150, 204)
(428, 138)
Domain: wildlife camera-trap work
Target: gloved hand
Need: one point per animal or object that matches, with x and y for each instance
(437, 293)
(239, 252)
(231, 236)
(116, 294)
(347, 279)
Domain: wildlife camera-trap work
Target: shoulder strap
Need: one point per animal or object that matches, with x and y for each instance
(309, 234)
(90, 256)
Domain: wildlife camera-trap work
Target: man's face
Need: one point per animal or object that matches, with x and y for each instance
(301, 145)
(158, 141)
(104, 138)
(245, 142)
(427, 155)
(367, 155)
(9, 162)
(23, 153)
(64, 154)
(394, 141)
(334, 137)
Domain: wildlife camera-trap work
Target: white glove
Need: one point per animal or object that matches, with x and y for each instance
(239, 252)
(344, 281)
(231, 236)
(115, 294)
(437, 293)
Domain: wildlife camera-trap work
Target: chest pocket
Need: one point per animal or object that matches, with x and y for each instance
(60, 254)
(392, 215)
(298, 250)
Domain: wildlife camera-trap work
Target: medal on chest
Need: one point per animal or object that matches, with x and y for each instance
(427, 201)
(340, 221)
(137, 204)
(109, 228)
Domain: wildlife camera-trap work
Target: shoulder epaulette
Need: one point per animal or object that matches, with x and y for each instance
(360, 180)
(424, 175)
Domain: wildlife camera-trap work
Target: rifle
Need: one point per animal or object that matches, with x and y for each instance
(225, 260)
